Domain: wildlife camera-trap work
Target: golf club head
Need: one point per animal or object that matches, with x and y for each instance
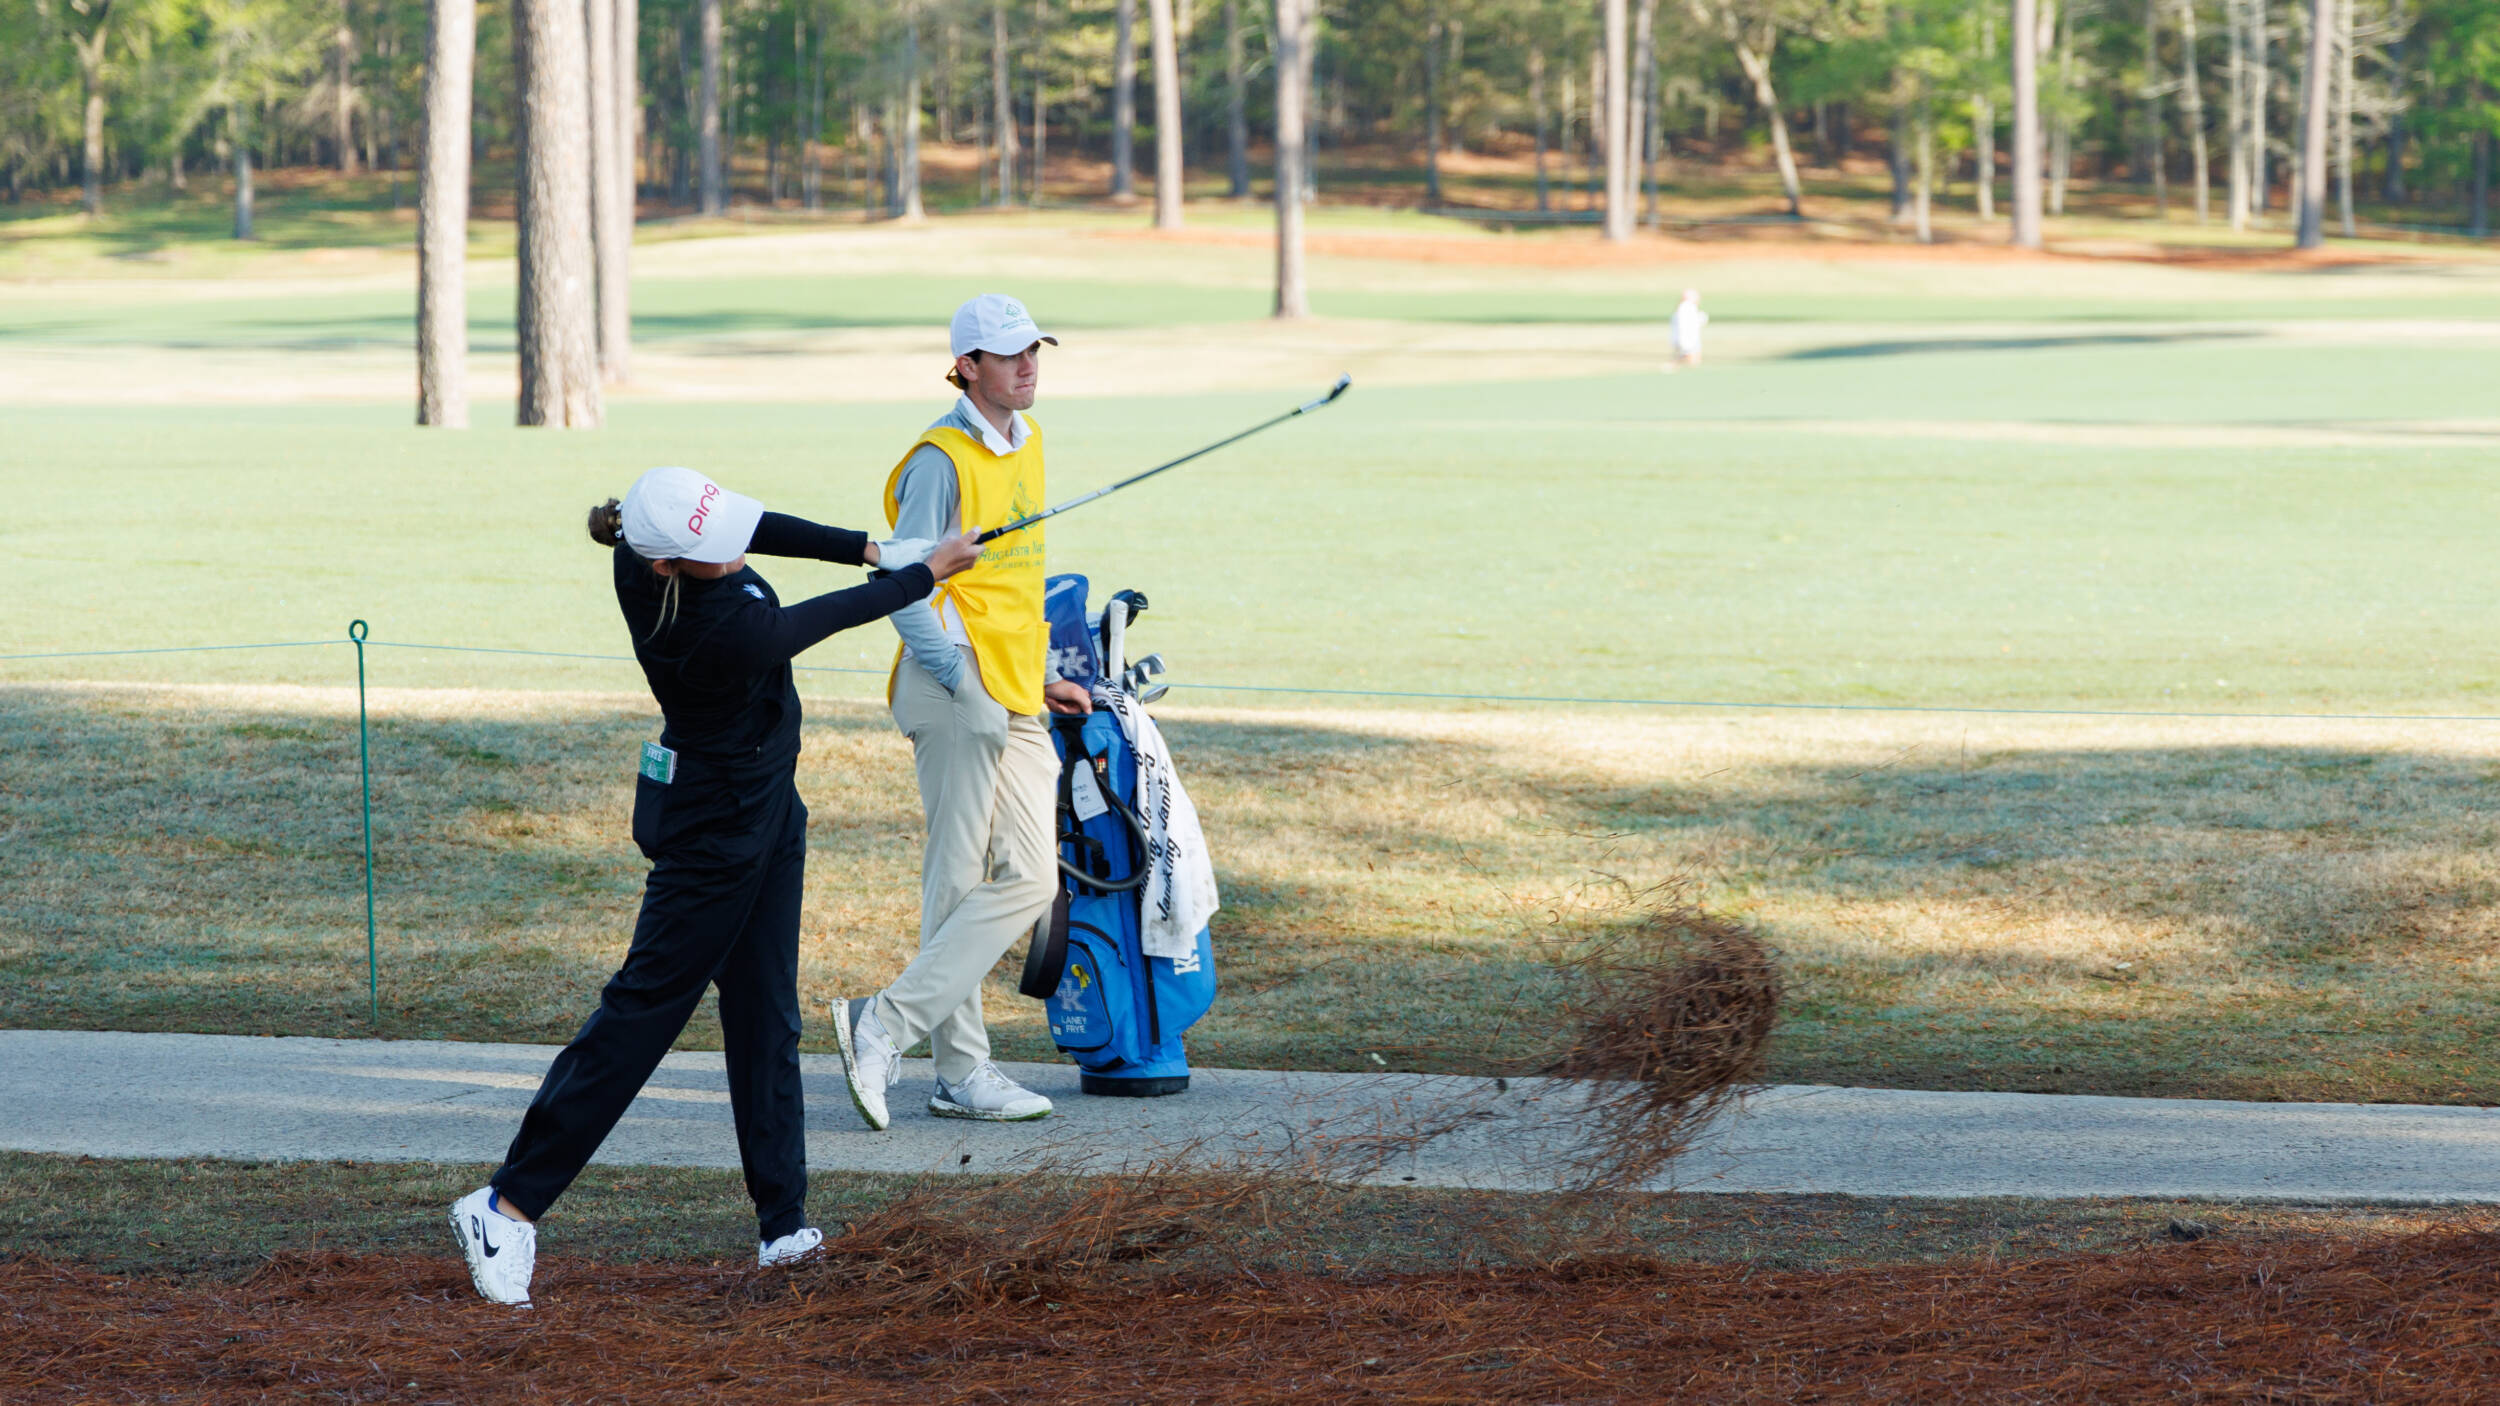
(1139, 679)
(1330, 398)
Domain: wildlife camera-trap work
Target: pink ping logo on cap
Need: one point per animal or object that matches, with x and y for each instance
(702, 509)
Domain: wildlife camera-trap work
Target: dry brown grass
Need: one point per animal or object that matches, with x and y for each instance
(1666, 1018)
(2086, 905)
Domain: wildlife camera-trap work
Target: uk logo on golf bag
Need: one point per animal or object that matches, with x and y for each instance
(1116, 1011)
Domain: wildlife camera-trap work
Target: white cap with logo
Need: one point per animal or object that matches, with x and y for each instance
(678, 513)
(997, 324)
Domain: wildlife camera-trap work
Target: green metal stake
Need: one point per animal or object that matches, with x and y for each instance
(356, 630)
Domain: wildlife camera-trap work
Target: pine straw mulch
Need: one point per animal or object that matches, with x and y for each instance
(2408, 1318)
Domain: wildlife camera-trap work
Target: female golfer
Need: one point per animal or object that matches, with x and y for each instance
(717, 813)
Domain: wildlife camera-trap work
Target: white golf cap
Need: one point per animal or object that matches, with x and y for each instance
(997, 324)
(678, 513)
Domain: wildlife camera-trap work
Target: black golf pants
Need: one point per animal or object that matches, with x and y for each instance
(721, 908)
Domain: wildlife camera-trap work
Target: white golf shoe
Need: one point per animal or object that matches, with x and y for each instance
(501, 1251)
(789, 1247)
(990, 1096)
(870, 1063)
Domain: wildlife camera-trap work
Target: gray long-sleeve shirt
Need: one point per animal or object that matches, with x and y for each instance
(928, 505)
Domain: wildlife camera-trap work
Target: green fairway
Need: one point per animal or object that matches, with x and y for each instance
(1557, 538)
(678, 308)
(338, 275)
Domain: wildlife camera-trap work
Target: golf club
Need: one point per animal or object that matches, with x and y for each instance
(1027, 521)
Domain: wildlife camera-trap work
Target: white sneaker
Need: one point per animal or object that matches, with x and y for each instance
(789, 1247)
(870, 1063)
(988, 1095)
(501, 1251)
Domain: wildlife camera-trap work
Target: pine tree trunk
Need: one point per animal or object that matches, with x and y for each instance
(555, 325)
(1536, 99)
(2478, 219)
(1597, 124)
(1645, 108)
(2235, 12)
(1432, 109)
(1756, 63)
(1002, 103)
(342, 118)
(715, 192)
(943, 71)
(889, 159)
(243, 173)
(2149, 162)
(1619, 210)
(1924, 206)
(1165, 42)
(628, 100)
(1897, 161)
(1124, 101)
(2310, 200)
(2260, 90)
(1296, 33)
(1983, 126)
(611, 216)
(2062, 130)
(442, 215)
(913, 209)
(1041, 103)
(2192, 95)
(91, 80)
(2343, 115)
(814, 180)
(2026, 148)
(2392, 188)
(1236, 105)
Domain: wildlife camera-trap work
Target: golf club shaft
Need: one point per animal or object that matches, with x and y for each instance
(1057, 508)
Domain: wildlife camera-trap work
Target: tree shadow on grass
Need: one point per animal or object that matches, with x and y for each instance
(2237, 920)
(186, 860)
(2045, 341)
(2296, 921)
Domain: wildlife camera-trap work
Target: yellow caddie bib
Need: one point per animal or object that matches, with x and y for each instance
(999, 597)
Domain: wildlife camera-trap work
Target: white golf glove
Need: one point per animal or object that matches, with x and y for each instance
(902, 552)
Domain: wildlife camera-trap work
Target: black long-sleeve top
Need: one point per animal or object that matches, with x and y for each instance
(720, 665)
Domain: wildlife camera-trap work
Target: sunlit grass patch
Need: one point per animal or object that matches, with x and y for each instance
(2186, 907)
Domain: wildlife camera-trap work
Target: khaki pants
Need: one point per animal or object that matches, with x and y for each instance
(988, 781)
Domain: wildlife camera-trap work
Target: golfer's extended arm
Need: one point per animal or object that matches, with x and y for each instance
(781, 535)
(924, 507)
(763, 637)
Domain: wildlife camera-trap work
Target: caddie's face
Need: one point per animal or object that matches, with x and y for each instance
(1008, 382)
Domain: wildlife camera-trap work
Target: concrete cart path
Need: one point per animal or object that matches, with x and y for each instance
(133, 1095)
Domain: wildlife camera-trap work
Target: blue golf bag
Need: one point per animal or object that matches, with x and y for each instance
(1114, 1010)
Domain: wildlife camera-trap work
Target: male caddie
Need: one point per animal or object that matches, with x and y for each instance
(969, 688)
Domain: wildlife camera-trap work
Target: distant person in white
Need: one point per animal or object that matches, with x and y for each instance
(1685, 327)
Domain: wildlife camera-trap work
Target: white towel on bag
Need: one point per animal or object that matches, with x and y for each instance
(1180, 885)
